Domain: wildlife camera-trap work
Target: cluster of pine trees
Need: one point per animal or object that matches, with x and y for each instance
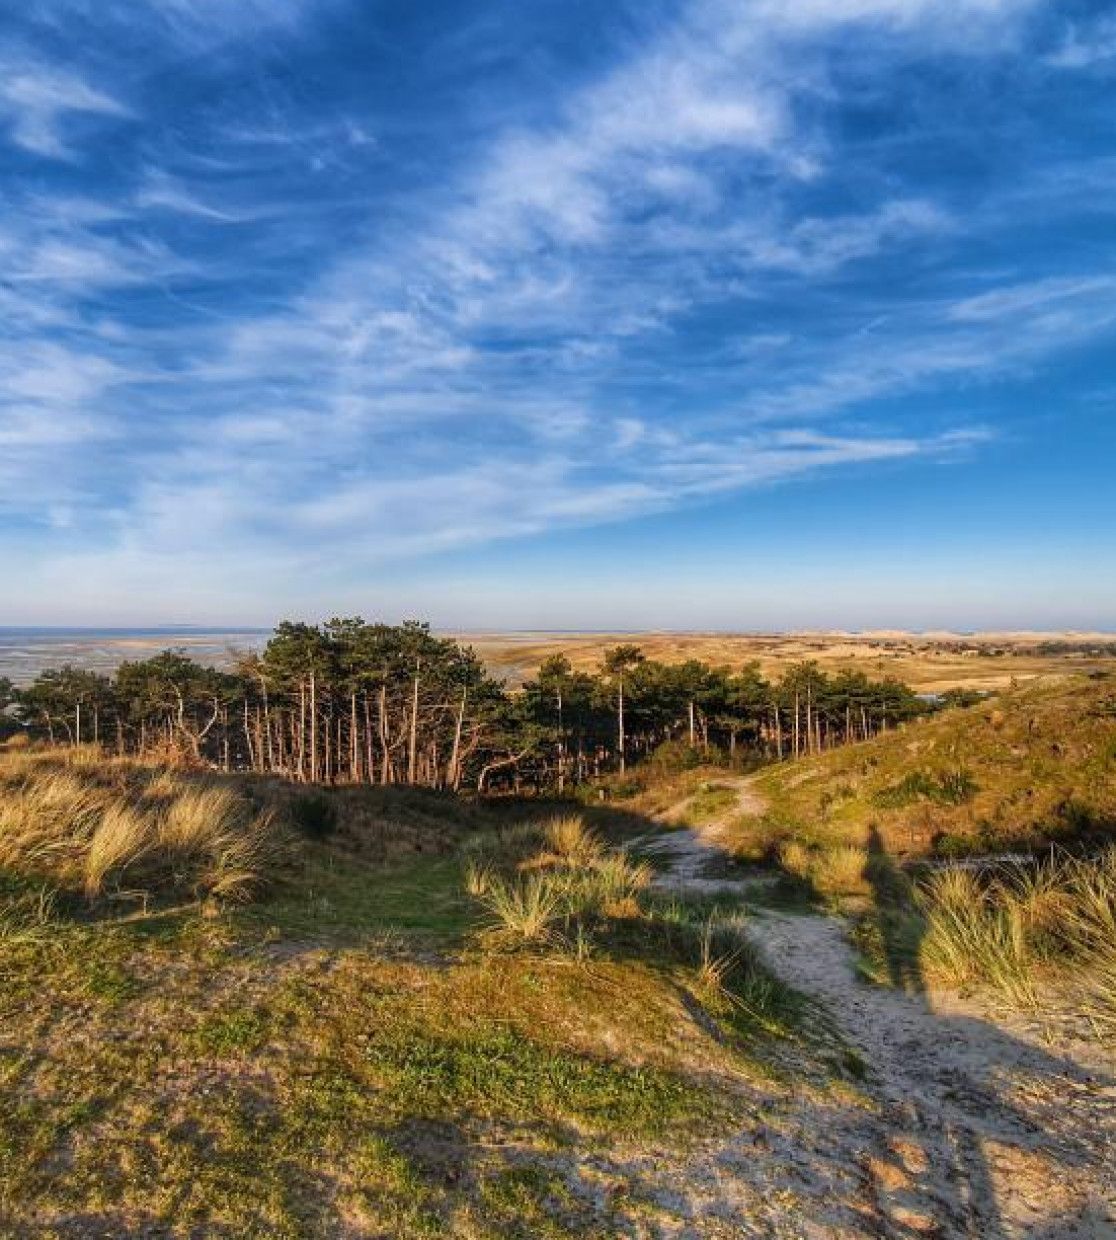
(351, 702)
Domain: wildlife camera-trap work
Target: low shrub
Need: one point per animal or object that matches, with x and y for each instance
(947, 788)
(674, 757)
(313, 815)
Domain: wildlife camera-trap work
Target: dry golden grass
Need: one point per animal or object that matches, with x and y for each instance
(1027, 933)
(107, 826)
(795, 858)
(572, 841)
(526, 907)
(837, 873)
(557, 875)
(118, 840)
(841, 872)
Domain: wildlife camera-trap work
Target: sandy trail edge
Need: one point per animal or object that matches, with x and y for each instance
(982, 1130)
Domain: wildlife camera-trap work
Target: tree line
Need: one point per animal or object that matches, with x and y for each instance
(353, 702)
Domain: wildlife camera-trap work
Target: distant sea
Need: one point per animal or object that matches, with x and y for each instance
(24, 652)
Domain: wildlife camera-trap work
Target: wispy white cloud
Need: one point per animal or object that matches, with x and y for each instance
(36, 100)
(163, 192)
(976, 339)
(1086, 44)
(1013, 300)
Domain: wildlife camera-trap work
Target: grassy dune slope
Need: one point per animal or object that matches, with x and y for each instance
(229, 1008)
(1032, 768)
(1035, 765)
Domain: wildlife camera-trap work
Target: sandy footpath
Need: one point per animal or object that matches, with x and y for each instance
(976, 1125)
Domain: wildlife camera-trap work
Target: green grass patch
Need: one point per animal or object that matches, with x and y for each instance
(710, 802)
(230, 1033)
(494, 1070)
(345, 900)
(887, 942)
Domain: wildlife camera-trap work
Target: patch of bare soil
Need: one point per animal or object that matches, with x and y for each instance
(969, 1125)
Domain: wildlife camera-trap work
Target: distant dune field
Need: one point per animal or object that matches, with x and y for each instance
(929, 662)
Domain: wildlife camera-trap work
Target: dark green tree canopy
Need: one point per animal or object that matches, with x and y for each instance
(354, 701)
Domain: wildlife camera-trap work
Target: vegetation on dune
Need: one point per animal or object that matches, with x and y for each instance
(1038, 936)
(1050, 926)
(555, 886)
(250, 1004)
(127, 829)
(1032, 767)
(856, 830)
(193, 1082)
(375, 704)
(962, 667)
(349, 1043)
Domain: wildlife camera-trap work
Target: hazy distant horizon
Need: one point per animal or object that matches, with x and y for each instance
(216, 630)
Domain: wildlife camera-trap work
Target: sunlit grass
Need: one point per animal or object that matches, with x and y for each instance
(1051, 926)
(126, 828)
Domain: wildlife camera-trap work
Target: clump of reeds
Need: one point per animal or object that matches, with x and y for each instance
(835, 873)
(572, 842)
(841, 871)
(1024, 932)
(92, 828)
(526, 907)
(795, 858)
(570, 879)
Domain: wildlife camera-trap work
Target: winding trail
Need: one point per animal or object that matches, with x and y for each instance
(975, 1128)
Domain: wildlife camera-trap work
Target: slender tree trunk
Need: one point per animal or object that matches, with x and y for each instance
(561, 748)
(620, 720)
(301, 759)
(454, 778)
(412, 742)
(270, 763)
(248, 738)
(313, 728)
(385, 751)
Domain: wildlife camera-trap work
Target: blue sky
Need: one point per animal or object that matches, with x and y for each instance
(678, 313)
